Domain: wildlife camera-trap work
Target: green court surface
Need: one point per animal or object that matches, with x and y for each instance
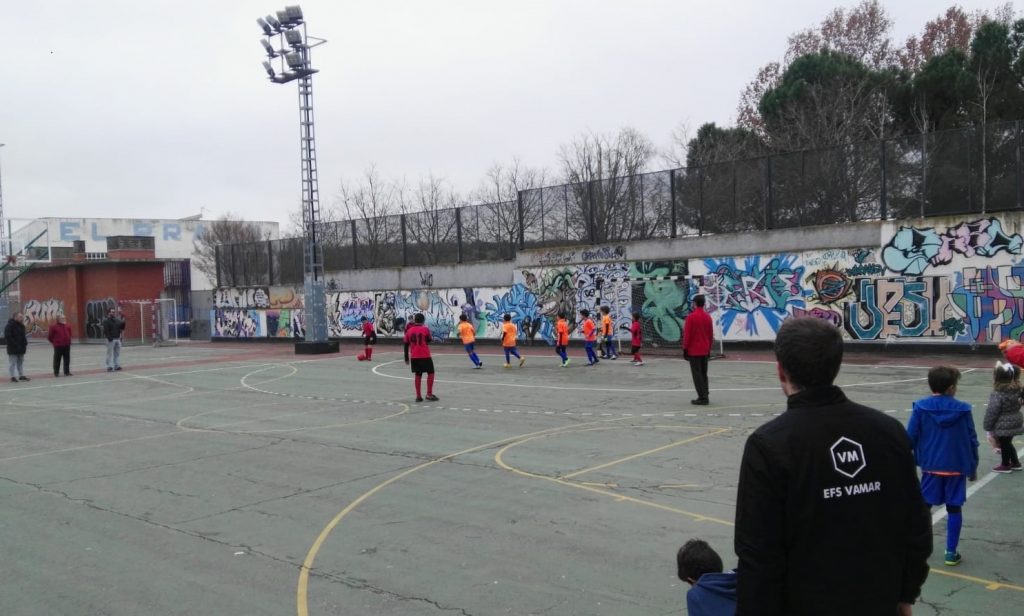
(242, 479)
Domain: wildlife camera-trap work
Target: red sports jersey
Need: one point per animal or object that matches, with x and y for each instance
(417, 337)
(368, 331)
(634, 329)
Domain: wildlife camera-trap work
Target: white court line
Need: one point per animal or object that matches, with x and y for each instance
(981, 483)
(629, 390)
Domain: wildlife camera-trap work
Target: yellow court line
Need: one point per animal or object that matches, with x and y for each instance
(988, 584)
(498, 459)
(645, 453)
(302, 591)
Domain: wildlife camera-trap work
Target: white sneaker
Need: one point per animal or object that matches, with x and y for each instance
(639, 363)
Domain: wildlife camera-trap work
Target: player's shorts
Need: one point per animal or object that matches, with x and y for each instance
(944, 489)
(371, 340)
(634, 349)
(609, 338)
(469, 347)
(419, 366)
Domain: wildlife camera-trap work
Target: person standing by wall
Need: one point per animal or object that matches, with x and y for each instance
(113, 328)
(59, 336)
(829, 513)
(698, 333)
(17, 345)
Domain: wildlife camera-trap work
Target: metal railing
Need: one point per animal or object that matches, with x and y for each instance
(970, 170)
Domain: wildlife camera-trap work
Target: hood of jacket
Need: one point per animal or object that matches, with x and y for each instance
(943, 410)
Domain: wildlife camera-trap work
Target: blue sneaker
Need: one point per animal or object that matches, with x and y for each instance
(952, 559)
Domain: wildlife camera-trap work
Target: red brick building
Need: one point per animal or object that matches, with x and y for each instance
(84, 289)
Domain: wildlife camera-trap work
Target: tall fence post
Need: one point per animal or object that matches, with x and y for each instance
(700, 200)
(1020, 177)
(883, 203)
(769, 214)
(672, 196)
(458, 234)
(590, 214)
(270, 262)
(355, 248)
(217, 263)
(405, 244)
(924, 170)
(522, 218)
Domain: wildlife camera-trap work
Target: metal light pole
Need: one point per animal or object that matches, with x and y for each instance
(289, 28)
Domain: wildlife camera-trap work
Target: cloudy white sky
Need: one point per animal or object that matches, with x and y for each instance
(157, 108)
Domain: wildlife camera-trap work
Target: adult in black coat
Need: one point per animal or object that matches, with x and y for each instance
(17, 345)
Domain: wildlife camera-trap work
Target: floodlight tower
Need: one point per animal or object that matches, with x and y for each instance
(288, 28)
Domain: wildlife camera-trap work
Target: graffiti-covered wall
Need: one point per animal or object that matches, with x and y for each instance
(950, 280)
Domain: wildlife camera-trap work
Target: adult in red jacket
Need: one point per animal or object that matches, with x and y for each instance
(59, 336)
(697, 335)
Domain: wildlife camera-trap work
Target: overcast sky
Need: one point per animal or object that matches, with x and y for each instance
(155, 109)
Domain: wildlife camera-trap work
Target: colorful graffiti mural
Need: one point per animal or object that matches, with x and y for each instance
(911, 250)
(237, 323)
(248, 297)
(758, 296)
(41, 314)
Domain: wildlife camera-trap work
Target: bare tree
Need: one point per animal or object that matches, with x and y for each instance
(373, 203)
(603, 173)
(243, 251)
(430, 226)
(496, 220)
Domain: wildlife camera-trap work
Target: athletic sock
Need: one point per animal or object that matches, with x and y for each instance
(369, 352)
(954, 522)
(430, 384)
(476, 360)
(419, 377)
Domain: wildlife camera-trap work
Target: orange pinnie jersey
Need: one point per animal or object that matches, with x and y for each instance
(466, 333)
(606, 325)
(562, 332)
(589, 329)
(508, 334)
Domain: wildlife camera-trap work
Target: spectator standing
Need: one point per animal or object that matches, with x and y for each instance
(59, 336)
(113, 329)
(17, 345)
(698, 333)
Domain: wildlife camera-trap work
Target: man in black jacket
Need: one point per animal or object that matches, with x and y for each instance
(113, 327)
(17, 345)
(829, 515)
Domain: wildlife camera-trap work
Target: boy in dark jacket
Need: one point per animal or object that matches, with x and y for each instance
(712, 592)
(941, 430)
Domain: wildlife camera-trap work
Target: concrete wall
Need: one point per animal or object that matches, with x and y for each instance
(955, 279)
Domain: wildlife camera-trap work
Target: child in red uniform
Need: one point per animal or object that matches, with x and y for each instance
(369, 339)
(417, 337)
(637, 340)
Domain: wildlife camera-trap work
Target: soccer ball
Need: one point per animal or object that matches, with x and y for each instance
(361, 357)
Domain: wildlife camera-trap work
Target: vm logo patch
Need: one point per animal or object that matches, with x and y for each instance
(848, 457)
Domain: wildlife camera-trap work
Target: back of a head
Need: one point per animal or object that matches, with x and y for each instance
(810, 351)
(942, 378)
(695, 559)
(699, 301)
(419, 319)
(585, 313)
(507, 318)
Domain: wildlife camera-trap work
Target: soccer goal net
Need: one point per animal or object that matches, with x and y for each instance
(663, 303)
(150, 322)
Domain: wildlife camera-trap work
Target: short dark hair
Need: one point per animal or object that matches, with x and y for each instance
(507, 317)
(419, 318)
(561, 315)
(585, 312)
(463, 317)
(695, 559)
(698, 301)
(363, 319)
(810, 351)
(605, 309)
(636, 316)
(941, 378)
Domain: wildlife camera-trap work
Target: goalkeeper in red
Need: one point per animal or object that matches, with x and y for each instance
(417, 355)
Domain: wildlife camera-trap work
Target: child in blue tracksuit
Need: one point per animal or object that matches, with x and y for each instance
(945, 444)
(712, 592)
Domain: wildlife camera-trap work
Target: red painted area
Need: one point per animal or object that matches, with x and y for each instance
(88, 288)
